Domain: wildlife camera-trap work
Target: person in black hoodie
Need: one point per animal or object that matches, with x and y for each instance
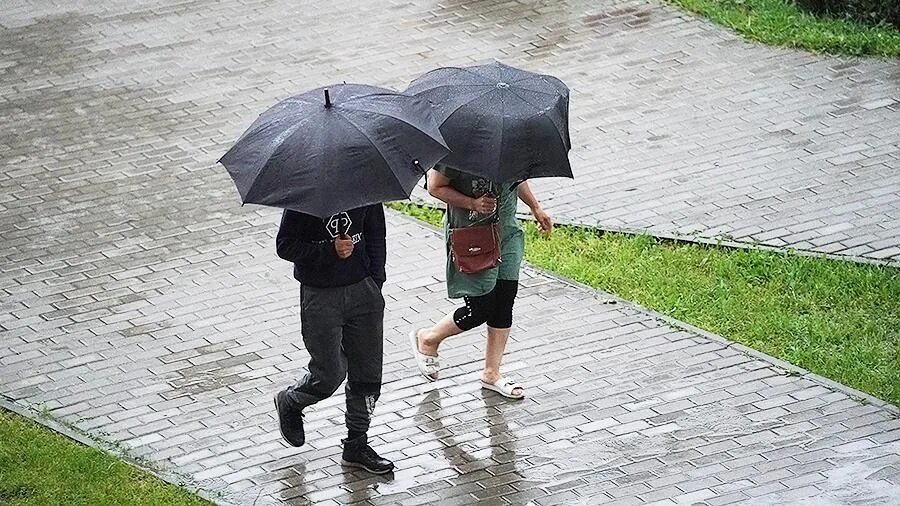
(339, 262)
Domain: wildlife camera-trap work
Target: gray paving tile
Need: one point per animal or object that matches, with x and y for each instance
(140, 302)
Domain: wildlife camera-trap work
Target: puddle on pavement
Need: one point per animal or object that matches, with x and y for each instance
(853, 479)
(495, 445)
(555, 464)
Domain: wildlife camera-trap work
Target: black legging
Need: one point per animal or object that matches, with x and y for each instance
(494, 308)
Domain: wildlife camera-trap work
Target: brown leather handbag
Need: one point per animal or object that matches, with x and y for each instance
(475, 248)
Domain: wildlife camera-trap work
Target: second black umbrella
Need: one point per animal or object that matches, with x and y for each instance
(501, 123)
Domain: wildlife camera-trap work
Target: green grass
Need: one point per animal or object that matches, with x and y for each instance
(40, 467)
(837, 319)
(781, 23)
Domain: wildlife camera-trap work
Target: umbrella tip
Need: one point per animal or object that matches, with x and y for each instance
(327, 98)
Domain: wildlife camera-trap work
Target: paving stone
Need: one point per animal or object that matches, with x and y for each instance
(140, 302)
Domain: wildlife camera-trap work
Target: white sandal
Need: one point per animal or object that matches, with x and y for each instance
(504, 387)
(428, 365)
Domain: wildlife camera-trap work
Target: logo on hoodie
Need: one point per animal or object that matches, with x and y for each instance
(338, 224)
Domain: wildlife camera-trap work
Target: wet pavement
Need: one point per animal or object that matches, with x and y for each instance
(679, 128)
(140, 303)
(177, 359)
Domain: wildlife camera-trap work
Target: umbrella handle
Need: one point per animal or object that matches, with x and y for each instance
(327, 98)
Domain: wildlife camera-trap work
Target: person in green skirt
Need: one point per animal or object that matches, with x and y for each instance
(488, 295)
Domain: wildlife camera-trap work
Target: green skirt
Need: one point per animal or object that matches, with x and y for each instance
(512, 251)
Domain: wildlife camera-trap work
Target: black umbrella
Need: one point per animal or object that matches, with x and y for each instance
(334, 149)
(501, 123)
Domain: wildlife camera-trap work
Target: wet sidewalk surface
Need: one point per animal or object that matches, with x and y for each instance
(178, 360)
(140, 303)
(679, 127)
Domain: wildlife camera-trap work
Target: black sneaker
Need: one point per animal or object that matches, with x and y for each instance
(290, 421)
(357, 453)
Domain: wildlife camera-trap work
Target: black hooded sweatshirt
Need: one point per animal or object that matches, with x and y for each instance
(308, 242)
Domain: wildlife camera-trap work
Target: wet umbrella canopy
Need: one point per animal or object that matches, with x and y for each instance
(500, 122)
(334, 149)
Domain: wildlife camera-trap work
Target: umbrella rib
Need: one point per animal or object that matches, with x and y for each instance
(470, 71)
(425, 78)
(402, 120)
(544, 78)
(532, 75)
(377, 148)
(540, 92)
(541, 113)
(460, 106)
(489, 85)
(462, 69)
(536, 107)
(481, 119)
(273, 147)
(527, 76)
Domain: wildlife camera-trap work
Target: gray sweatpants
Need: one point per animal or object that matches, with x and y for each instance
(343, 332)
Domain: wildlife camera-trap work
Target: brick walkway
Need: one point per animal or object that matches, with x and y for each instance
(680, 128)
(138, 302)
(177, 358)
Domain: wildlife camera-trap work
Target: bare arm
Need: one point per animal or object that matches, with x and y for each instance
(527, 196)
(439, 187)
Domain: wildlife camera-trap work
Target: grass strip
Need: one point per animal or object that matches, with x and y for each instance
(781, 23)
(838, 319)
(40, 467)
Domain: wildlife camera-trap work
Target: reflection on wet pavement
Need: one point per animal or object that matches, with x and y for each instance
(140, 303)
